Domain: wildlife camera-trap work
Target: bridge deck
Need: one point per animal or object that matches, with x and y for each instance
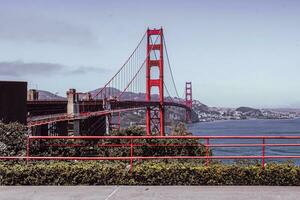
(45, 112)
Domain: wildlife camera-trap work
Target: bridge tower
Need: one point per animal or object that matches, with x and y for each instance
(155, 114)
(188, 100)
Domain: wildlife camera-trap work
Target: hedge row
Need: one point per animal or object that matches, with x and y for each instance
(146, 173)
(92, 148)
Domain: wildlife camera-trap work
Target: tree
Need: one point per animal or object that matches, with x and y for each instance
(180, 129)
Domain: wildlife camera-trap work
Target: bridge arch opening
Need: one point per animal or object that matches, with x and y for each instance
(154, 39)
(154, 93)
(155, 54)
(154, 72)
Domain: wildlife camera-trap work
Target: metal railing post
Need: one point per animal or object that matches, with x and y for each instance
(207, 150)
(27, 148)
(131, 155)
(263, 154)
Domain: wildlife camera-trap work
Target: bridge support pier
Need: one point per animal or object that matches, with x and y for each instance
(107, 121)
(107, 106)
(32, 95)
(73, 110)
(115, 121)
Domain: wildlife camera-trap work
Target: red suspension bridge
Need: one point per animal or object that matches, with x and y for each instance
(145, 81)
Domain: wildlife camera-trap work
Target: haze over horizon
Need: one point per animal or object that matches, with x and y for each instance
(236, 53)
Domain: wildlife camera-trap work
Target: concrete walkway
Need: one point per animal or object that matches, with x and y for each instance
(148, 192)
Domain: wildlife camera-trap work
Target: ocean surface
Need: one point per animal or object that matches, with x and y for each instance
(290, 127)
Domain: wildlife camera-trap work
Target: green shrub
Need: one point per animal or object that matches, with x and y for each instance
(12, 139)
(145, 173)
(49, 147)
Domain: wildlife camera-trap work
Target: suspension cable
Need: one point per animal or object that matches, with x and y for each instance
(165, 86)
(148, 54)
(169, 65)
(122, 66)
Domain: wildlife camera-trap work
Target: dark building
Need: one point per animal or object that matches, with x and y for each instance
(13, 101)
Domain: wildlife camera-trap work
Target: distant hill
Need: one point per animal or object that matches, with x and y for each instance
(286, 110)
(199, 107)
(46, 95)
(251, 112)
(247, 109)
(126, 95)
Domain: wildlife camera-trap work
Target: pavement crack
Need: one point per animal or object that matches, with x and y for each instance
(112, 193)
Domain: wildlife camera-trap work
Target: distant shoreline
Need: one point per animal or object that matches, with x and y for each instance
(250, 119)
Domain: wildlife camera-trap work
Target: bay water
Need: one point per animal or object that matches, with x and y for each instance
(278, 127)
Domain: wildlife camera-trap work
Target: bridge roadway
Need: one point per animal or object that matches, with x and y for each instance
(45, 112)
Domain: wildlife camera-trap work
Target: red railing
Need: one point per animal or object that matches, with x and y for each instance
(203, 141)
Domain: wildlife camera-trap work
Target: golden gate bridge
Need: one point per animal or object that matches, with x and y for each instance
(145, 81)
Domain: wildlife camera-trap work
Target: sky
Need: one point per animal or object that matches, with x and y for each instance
(235, 52)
